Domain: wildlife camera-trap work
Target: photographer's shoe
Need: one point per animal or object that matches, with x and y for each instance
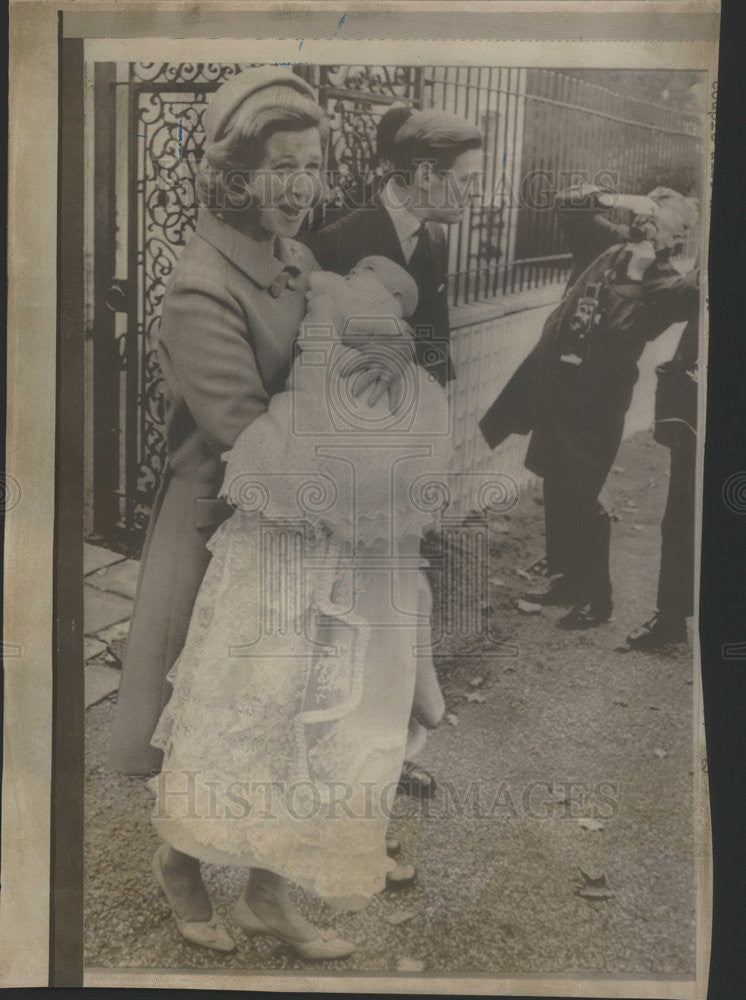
(560, 592)
(660, 631)
(584, 616)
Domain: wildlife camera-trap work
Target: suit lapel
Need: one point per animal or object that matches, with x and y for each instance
(384, 235)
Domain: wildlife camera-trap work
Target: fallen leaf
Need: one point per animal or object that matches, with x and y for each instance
(660, 753)
(622, 704)
(476, 681)
(591, 893)
(617, 469)
(523, 574)
(637, 527)
(528, 608)
(409, 965)
(595, 877)
(629, 505)
(497, 581)
(654, 708)
(451, 719)
(586, 823)
(400, 917)
(475, 696)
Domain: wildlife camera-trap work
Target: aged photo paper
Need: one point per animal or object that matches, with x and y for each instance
(353, 497)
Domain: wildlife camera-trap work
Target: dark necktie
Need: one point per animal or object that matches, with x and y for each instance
(421, 259)
(430, 319)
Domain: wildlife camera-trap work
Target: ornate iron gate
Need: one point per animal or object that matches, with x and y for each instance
(147, 147)
(148, 143)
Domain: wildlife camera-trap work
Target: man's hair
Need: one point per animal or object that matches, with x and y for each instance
(436, 136)
(389, 124)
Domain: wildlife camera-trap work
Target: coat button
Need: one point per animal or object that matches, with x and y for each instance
(275, 289)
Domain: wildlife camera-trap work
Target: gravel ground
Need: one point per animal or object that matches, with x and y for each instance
(568, 730)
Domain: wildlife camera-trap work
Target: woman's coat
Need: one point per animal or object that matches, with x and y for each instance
(230, 316)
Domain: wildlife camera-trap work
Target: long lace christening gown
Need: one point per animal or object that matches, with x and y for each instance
(285, 733)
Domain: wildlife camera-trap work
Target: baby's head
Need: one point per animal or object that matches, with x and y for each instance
(376, 289)
(380, 271)
(376, 286)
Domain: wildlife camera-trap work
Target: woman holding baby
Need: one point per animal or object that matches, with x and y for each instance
(301, 676)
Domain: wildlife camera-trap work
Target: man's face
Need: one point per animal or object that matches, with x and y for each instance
(444, 195)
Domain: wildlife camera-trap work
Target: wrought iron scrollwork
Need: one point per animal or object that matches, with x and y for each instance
(169, 101)
(169, 130)
(165, 72)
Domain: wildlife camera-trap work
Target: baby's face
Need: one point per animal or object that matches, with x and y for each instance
(361, 290)
(367, 285)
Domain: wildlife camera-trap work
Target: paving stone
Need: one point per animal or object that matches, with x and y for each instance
(100, 682)
(102, 609)
(93, 648)
(119, 578)
(114, 634)
(94, 557)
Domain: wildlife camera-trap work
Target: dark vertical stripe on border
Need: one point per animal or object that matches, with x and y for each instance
(66, 900)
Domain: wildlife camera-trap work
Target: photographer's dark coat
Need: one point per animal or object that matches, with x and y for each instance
(231, 313)
(576, 408)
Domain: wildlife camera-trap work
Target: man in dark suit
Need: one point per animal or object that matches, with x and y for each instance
(437, 165)
(676, 428)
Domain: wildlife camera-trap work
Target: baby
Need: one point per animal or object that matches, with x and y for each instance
(349, 320)
(366, 310)
(308, 662)
(357, 458)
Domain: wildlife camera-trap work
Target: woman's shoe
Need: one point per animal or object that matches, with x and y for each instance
(393, 847)
(325, 946)
(416, 781)
(401, 877)
(204, 933)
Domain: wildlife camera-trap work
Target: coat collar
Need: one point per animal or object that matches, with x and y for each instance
(254, 259)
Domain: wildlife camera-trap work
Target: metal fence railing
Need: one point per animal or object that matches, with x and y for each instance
(540, 126)
(543, 131)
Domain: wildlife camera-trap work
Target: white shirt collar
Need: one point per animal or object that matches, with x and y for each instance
(405, 224)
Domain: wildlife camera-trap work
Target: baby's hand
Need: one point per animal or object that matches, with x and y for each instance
(382, 358)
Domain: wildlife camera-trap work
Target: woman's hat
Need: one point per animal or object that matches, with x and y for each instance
(262, 85)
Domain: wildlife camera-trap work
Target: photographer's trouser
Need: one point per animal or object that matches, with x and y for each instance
(676, 579)
(578, 532)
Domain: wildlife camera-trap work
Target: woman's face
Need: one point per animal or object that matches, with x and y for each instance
(287, 181)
